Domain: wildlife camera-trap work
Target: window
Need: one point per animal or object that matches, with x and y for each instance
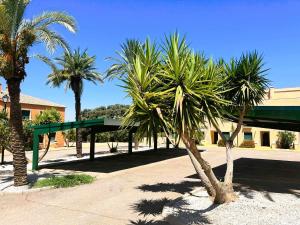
(226, 134)
(26, 114)
(248, 136)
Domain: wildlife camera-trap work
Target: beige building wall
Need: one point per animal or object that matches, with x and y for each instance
(263, 137)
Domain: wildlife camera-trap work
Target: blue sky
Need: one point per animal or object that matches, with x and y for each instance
(219, 28)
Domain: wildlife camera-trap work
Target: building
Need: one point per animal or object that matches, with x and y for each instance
(262, 137)
(31, 107)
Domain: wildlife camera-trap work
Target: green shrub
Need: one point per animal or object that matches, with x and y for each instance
(28, 134)
(199, 137)
(64, 181)
(286, 140)
(248, 144)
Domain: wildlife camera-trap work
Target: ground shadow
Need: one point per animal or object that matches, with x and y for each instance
(108, 164)
(152, 207)
(263, 175)
(148, 222)
(182, 187)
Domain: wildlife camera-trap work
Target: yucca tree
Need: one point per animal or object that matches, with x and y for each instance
(176, 92)
(137, 67)
(246, 84)
(17, 36)
(194, 95)
(73, 68)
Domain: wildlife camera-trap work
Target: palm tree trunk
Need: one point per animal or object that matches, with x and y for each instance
(78, 130)
(223, 193)
(204, 179)
(17, 139)
(229, 171)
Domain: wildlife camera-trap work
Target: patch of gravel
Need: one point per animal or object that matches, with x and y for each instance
(258, 208)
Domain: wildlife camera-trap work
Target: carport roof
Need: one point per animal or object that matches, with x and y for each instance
(273, 117)
(101, 124)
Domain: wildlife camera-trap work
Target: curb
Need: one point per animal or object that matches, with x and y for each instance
(22, 192)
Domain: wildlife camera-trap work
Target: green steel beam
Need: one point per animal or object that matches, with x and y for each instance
(54, 127)
(35, 155)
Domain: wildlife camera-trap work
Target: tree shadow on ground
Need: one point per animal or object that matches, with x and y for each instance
(263, 175)
(155, 207)
(152, 207)
(182, 188)
(108, 164)
(148, 222)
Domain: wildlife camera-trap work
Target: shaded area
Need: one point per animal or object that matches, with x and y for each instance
(182, 187)
(155, 207)
(263, 175)
(108, 164)
(148, 222)
(152, 207)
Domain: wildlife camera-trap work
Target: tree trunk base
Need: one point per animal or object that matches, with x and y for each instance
(79, 155)
(20, 180)
(225, 195)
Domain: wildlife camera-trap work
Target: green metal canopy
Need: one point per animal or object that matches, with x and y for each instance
(96, 126)
(273, 117)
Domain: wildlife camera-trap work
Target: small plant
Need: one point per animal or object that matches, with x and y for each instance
(199, 137)
(64, 181)
(248, 144)
(112, 148)
(286, 140)
(69, 137)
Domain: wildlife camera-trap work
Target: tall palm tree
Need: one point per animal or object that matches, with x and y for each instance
(73, 69)
(17, 36)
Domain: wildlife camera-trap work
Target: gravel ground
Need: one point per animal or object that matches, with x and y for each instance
(255, 208)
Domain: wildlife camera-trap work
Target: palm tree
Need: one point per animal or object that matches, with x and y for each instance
(246, 83)
(179, 92)
(17, 36)
(171, 89)
(74, 69)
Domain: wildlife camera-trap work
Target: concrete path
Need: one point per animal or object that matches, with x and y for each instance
(133, 195)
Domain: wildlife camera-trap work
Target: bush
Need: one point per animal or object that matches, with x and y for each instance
(64, 181)
(199, 137)
(248, 144)
(286, 140)
(28, 134)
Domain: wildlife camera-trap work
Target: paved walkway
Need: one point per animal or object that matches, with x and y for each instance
(132, 194)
